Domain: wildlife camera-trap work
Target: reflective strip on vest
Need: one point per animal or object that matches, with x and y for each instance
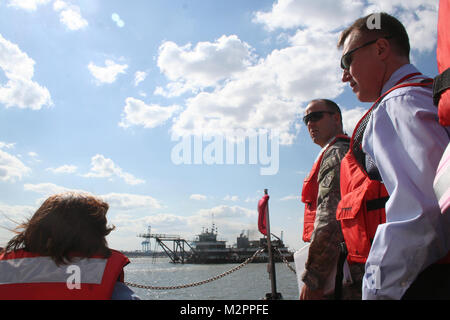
(44, 269)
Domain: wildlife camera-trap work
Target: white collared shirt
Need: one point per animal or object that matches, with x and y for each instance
(406, 142)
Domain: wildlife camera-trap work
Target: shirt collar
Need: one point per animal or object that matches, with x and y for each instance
(328, 142)
(398, 75)
(325, 147)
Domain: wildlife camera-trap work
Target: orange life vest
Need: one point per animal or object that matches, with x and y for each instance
(310, 192)
(29, 276)
(362, 205)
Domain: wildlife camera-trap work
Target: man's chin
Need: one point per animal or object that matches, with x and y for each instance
(363, 98)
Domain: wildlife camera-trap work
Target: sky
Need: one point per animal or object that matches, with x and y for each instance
(177, 113)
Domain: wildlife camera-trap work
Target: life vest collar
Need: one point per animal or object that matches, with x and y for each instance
(310, 190)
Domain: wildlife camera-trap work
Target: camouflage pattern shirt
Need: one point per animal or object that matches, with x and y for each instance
(324, 247)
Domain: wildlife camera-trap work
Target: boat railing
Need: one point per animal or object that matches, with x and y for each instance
(160, 236)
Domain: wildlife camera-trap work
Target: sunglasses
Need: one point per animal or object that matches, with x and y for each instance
(346, 59)
(315, 116)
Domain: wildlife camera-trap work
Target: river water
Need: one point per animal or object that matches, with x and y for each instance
(251, 282)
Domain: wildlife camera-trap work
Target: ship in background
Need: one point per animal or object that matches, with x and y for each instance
(206, 248)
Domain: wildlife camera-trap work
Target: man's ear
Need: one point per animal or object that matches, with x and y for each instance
(337, 118)
(384, 48)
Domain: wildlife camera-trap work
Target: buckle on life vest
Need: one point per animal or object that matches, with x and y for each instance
(440, 84)
(376, 204)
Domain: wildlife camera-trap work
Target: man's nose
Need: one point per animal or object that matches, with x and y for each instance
(346, 75)
(311, 124)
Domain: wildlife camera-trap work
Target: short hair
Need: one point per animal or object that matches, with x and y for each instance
(389, 27)
(330, 105)
(65, 224)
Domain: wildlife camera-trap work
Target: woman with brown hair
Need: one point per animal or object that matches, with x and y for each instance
(62, 253)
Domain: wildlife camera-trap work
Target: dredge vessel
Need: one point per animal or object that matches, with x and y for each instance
(206, 248)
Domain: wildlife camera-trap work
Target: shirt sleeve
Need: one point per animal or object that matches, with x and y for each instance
(324, 248)
(406, 142)
(123, 292)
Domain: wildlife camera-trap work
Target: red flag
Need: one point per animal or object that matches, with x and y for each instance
(263, 205)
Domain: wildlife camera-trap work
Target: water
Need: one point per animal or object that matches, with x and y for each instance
(248, 283)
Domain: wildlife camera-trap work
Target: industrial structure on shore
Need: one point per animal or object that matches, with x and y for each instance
(207, 249)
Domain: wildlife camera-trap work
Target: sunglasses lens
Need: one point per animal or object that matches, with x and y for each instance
(346, 60)
(313, 116)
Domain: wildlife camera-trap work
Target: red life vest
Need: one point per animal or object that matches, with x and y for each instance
(310, 192)
(361, 208)
(442, 82)
(29, 276)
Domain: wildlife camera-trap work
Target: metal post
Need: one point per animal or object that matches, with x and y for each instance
(273, 281)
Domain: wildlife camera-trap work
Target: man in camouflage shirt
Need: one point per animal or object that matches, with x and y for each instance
(324, 122)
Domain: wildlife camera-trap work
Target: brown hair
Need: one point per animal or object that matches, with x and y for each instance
(331, 105)
(65, 224)
(389, 27)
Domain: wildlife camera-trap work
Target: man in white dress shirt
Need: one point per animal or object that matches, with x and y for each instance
(403, 143)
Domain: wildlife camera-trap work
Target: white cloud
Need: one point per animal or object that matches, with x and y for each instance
(47, 188)
(197, 196)
(59, 5)
(253, 199)
(203, 66)
(139, 76)
(116, 201)
(319, 14)
(230, 221)
(128, 226)
(125, 201)
(108, 73)
(173, 89)
(27, 4)
(16, 213)
(268, 94)
(10, 218)
(11, 168)
(243, 218)
(70, 15)
(34, 157)
(351, 117)
(291, 197)
(419, 18)
(6, 145)
(231, 198)
(136, 112)
(166, 220)
(102, 167)
(20, 90)
(63, 169)
(224, 211)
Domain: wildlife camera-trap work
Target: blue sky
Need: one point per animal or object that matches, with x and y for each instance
(96, 95)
